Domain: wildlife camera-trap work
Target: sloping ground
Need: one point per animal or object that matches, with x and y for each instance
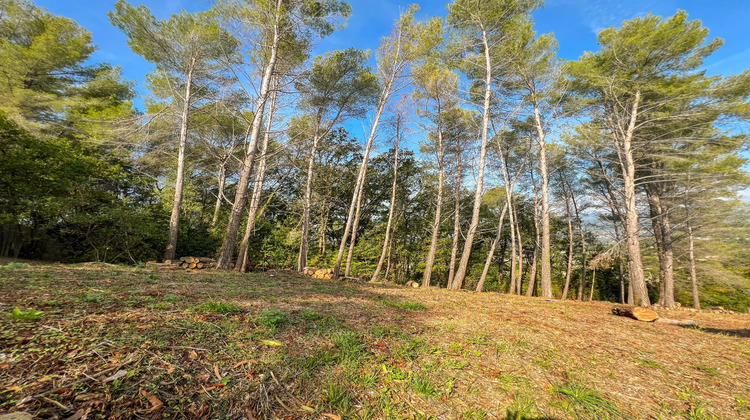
(131, 343)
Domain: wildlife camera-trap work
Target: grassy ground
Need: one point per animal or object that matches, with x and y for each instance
(119, 342)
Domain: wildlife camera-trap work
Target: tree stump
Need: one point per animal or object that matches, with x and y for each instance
(636, 312)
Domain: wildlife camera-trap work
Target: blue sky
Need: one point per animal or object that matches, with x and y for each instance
(574, 22)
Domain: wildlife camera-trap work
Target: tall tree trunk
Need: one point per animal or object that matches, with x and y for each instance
(220, 193)
(483, 277)
(456, 214)
(569, 268)
(463, 265)
(307, 205)
(359, 185)
(543, 172)
(665, 250)
(691, 251)
(260, 177)
(387, 240)
(355, 227)
(532, 277)
(582, 234)
(627, 163)
(174, 218)
(230, 239)
(438, 210)
(323, 226)
(593, 283)
(519, 278)
(693, 275)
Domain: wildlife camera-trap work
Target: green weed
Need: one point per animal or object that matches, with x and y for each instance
(28, 315)
(349, 346)
(581, 402)
(422, 385)
(275, 319)
(222, 308)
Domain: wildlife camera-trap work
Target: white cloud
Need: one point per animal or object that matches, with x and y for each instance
(601, 14)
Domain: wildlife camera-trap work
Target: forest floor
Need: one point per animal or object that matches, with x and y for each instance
(121, 342)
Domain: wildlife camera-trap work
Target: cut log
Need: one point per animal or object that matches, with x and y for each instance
(636, 312)
(192, 265)
(680, 322)
(167, 267)
(204, 260)
(167, 261)
(200, 266)
(411, 283)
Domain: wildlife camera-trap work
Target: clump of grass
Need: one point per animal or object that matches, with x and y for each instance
(349, 346)
(521, 409)
(709, 370)
(478, 339)
(582, 402)
(422, 385)
(475, 414)
(309, 315)
(411, 349)
(94, 297)
(275, 319)
(316, 361)
(337, 397)
(649, 363)
(29, 315)
(403, 304)
(14, 265)
(222, 308)
(169, 297)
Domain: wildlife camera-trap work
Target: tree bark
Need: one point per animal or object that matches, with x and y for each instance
(387, 240)
(359, 186)
(519, 278)
(220, 193)
(691, 252)
(569, 269)
(546, 263)
(438, 210)
(463, 265)
(260, 177)
(355, 227)
(583, 246)
(227, 248)
(307, 205)
(491, 254)
(456, 214)
(174, 218)
(627, 163)
(665, 249)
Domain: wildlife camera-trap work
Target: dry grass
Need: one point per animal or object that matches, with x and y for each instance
(280, 345)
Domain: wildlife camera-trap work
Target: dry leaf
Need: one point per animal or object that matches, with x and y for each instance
(192, 355)
(216, 372)
(155, 402)
(331, 416)
(244, 362)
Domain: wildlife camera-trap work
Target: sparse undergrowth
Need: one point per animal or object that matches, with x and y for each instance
(125, 342)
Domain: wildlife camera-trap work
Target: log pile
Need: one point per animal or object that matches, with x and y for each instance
(322, 273)
(184, 263)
